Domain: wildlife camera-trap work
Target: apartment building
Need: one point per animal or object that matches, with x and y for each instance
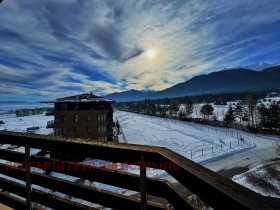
(83, 116)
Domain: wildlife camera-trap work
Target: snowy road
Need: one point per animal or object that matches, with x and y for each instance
(263, 151)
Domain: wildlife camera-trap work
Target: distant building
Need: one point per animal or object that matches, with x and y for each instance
(83, 116)
(28, 112)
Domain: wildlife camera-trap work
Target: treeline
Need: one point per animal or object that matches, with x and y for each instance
(204, 98)
(270, 115)
(248, 113)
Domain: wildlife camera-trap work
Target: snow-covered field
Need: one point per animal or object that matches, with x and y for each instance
(20, 124)
(221, 110)
(262, 179)
(198, 142)
(214, 147)
(188, 139)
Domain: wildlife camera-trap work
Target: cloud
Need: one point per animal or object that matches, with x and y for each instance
(101, 46)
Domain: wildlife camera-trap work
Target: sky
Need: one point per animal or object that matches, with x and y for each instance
(56, 48)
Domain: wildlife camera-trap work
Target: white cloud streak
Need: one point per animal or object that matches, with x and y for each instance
(101, 46)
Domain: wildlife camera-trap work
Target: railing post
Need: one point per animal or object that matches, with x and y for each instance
(27, 177)
(143, 191)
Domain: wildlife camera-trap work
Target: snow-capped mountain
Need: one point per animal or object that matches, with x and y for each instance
(259, 66)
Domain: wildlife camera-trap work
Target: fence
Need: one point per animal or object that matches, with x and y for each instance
(214, 189)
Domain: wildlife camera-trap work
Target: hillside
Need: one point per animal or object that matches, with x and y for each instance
(233, 80)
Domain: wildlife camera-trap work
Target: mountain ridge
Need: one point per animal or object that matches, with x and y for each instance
(230, 80)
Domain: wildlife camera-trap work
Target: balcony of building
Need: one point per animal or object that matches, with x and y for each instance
(215, 190)
(49, 112)
(50, 124)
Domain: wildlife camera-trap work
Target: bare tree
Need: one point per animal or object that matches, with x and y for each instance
(196, 108)
(239, 110)
(251, 103)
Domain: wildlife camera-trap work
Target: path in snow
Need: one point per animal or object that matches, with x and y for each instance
(188, 139)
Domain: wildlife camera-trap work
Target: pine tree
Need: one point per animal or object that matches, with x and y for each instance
(274, 115)
(264, 114)
(174, 106)
(207, 110)
(189, 108)
(153, 109)
(229, 117)
(159, 110)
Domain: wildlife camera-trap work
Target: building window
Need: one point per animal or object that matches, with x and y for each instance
(75, 118)
(88, 117)
(88, 129)
(102, 117)
(77, 106)
(59, 119)
(60, 131)
(102, 129)
(75, 131)
(102, 138)
(63, 106)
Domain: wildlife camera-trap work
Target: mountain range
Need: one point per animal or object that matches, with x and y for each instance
(259, 66)
(238, 79)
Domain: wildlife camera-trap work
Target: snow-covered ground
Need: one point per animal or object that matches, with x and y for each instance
(263, 179)
(197, 142)
(188, 139)
(215, 148)
(20, 124)
(221, 110)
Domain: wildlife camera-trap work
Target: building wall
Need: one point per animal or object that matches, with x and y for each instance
(84, 128)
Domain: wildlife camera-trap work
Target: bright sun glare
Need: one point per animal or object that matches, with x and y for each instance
(151, 53)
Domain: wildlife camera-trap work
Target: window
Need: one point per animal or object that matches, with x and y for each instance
(60, 131)
(102, 138)
(102, 117)
(77, 106)
(88, 129)
(102, 129)
(63, 106)
(59, 119)
(88, 117)
(75, 118)
(75, 131)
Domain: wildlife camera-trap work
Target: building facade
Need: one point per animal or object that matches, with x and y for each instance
(28, 112)
(83, 116)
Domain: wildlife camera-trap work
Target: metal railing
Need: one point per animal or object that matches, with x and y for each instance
(49, 112)
(50, 124)
(215, 190)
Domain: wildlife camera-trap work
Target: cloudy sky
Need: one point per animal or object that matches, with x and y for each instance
(55, 48)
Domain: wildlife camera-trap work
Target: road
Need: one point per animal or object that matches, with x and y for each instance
(263, 151)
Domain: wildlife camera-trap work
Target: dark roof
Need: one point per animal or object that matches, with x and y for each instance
(85, 97)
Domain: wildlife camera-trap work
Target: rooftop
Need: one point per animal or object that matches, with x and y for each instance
(85, 97)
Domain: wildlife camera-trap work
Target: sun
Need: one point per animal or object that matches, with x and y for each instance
(151, 53)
